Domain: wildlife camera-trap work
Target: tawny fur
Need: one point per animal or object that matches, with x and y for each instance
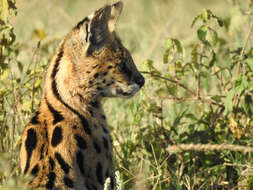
(67, 144)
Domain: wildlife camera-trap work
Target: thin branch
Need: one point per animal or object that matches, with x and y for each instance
(236, 98)
(34, 70)
(239, 66)
(195, 98)
(209, 101)
(200, 62)
(221, 82)
(170, 80)
(14, 106)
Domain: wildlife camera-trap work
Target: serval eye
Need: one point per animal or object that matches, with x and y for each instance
(122, 66)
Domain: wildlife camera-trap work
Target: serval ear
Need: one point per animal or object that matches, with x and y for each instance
(98, 26)
(102, 24)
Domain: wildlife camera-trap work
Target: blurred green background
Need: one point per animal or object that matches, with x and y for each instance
(143, 26)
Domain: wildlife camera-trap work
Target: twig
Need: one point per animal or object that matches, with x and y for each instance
(14, 106)
(216, 115)
(239, 165)
(153, 151)
(162, 119)
(183, 99)
(239, 66)
(200, 62)
(195, 98)
(236, 98)
(170, 80)
(117, 152)
(35, 64)
(221, 82)
(209, 147)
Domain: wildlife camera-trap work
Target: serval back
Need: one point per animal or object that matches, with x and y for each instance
(67, 144)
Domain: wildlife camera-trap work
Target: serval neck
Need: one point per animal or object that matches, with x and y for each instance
(68, 96)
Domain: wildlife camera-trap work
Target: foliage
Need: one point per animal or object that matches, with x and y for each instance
(17, 90)
(209, 86)
(200, 94)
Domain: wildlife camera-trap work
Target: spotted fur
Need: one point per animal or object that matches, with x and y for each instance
(67, 145)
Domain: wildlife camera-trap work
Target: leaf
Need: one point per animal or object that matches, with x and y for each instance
(241, 84)
(191, 116)
(195, 20)
(161, 92)
(179, 117)
(39, 34)
(194, 53)
(178, 65)
(4, 75)
(211, 36)
(168, 44)
(202, 31)
(216, 98)
(172, 89)
(20, 66)
(207, 35)
(205, 15)
(204, 74)
(234, 127)
(166, 56)
(220, 21)
(213, 59)
(175, 44)
(248, 105)
(149, 64)
(37, 83)
(4, 11)
(250, 183)
(178, 45)
(3, 65)
(249, 63)
(228, 101)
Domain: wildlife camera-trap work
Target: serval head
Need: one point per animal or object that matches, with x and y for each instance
(100, 65)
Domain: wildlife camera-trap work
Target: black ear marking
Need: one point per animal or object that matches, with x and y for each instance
(79, 24)
(99, 33)
(87, 32)
(99, 26)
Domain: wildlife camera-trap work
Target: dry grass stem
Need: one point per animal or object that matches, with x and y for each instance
(209, 147)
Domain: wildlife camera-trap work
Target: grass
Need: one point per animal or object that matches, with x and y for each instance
(176, 133)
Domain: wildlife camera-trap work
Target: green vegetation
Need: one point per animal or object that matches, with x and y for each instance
(197, 58)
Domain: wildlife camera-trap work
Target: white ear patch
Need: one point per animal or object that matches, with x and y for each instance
(91, 16)
(82, 35)
(115, 13)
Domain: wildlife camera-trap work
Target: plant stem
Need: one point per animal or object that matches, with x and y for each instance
(35, 64)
